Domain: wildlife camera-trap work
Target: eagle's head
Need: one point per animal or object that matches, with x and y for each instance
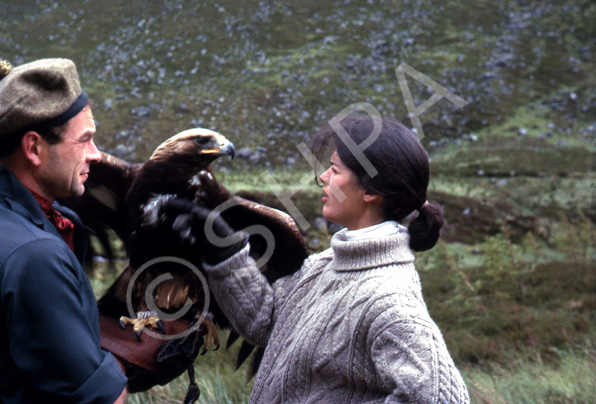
(175, 166)
(194, 146)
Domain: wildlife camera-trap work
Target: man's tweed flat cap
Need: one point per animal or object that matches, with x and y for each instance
(41, 94)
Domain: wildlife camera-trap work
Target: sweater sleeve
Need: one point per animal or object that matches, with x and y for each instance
(53, 326)
(245, 296)
(414, 365)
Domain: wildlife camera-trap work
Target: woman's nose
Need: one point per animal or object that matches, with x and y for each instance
(325, 177)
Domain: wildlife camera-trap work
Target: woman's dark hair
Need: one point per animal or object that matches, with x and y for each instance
(403, 172)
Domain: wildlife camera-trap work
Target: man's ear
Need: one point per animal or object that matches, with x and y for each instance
(32, 146)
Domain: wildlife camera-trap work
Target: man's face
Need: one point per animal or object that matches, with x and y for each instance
(65, 165)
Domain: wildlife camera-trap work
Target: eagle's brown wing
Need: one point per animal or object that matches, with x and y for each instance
(275, 239)
(102, 206)
(288, 249)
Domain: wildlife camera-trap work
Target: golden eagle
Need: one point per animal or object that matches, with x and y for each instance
(125, 197)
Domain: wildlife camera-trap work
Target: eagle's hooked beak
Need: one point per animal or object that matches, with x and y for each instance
(228, 149)
(221, 146)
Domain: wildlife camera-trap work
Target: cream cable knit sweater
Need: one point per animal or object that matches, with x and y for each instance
(349, 327)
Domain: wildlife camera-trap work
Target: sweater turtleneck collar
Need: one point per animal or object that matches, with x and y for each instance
(384, 244)
(377, 230)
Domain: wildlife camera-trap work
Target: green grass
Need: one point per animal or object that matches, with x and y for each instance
(569, 380)
(254, 181)
(216, 376)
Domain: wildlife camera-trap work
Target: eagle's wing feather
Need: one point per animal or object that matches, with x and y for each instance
(102, 206)
(289, 247)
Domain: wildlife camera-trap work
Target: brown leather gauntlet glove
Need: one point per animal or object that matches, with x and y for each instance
(153, 360)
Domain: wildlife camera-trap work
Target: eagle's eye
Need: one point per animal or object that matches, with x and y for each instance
(202, 140)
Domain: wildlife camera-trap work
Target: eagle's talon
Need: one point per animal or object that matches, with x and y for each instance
(208, 330)
(161, 327)
(211, 334)
(144, 319)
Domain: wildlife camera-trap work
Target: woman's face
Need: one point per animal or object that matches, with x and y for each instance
(343, 200)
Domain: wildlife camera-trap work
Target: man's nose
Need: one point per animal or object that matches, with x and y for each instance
(93, 154)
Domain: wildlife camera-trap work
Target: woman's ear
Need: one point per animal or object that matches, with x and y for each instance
(368, 197)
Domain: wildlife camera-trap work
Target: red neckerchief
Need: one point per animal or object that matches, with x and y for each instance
(64, 226)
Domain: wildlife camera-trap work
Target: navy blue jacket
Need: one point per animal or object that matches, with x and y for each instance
(49, 323)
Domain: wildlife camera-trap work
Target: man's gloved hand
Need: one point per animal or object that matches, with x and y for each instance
(203, 227)
(154, 360)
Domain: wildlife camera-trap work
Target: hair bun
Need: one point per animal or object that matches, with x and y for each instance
(5, 68)
(426, 228)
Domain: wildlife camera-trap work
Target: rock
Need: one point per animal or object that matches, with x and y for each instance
(334, 228)
(121, 150)
(321, 223)
(141, 111)
(544, 135)
(244, 153)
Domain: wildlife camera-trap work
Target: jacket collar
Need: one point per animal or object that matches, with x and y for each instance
(20, 200)
(17, 198)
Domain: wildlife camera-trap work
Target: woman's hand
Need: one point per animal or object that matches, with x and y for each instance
(202, 227)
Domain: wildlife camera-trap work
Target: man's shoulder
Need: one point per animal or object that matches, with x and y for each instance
(17, 230)
(39, 262)
(22, 240)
